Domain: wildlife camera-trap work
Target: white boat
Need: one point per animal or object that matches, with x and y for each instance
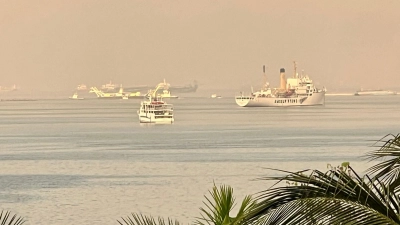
(108, 86)
(113, 95)
(6, 89)
(81, 87)
(215, 96)
(296, 91)
(165, 92)
(155, 110)
(374, 92)
(75, 97)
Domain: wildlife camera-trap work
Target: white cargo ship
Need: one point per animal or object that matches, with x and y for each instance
(296, 91)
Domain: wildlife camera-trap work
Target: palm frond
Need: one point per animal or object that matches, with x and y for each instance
(323, 211)
(387, 171)
(334, 184)
(7, 219)
(220, 205)
(139, 219)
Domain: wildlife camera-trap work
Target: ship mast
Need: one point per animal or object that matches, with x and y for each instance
(265, 78)
(295, 69)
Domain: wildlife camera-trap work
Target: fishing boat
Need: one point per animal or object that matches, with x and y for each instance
(75, 97)
(81, 87)
(296, 91)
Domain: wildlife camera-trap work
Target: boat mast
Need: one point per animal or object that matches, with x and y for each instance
(265, 77)
(295, 69)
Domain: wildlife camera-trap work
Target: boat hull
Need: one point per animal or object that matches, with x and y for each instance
(314, 99)
(152, 119)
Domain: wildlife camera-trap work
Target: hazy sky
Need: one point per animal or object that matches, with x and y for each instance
(54, 45)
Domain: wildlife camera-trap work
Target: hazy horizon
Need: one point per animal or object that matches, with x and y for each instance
(56, 45)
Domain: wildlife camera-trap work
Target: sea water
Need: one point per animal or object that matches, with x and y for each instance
(90, 161)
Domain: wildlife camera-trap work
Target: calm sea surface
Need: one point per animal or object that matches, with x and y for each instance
(90, 162)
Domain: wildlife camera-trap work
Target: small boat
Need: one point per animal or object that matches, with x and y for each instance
(165, 91)
(81, 87)
(215, 96)
(155, 110)
(75, 97)
(125, 97)
(109, 86)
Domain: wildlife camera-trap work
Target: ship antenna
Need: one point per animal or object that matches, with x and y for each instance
(265, 77)
(295, 69)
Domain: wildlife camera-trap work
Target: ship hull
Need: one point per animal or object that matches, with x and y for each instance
(151, 119)
(314, 99)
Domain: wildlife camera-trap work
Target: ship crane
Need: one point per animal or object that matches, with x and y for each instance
(153, 93)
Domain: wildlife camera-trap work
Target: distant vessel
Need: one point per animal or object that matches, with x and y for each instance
(113, 95)
(108, 86)
(12, 88)
(374, 92)
(156, 111)
(165, 93)
(185, 89)
(296, 91)
(215, 96)
(175, 89)
(81, 87)
(75, 97)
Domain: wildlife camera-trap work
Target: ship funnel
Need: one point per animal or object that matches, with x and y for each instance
(283, 79)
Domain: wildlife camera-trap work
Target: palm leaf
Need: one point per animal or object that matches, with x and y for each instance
(334, 186)
(314, 211)
(139, 219)
(387, 171)
(7, 219)
(220, 205)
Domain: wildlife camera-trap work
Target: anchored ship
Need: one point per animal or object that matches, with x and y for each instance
(374, 92)
(113, 95)
(296, 91)
(176, 89)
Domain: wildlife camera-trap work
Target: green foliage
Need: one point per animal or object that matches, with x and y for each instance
(7, 219)
(339, 196)
(219, 207)
(387, 171)
(139, 219)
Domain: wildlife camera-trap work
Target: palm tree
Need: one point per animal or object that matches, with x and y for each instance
(7, 219)
(217, 211)
(335, 196)
(339, 196)
(139, 219)
(220, 206)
